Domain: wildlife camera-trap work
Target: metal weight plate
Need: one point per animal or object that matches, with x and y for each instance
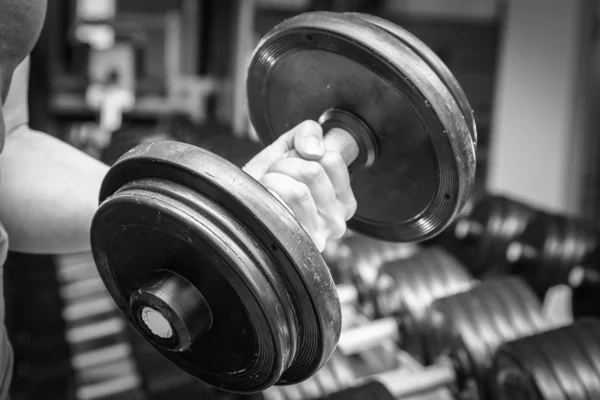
(551, 245)
(416, 161)
(562, 363)
(487, 231)
(407, 288)
(470, 326)
(434, 62)
(337, 374)
(213, 270)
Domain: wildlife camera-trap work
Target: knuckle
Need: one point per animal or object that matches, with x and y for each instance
(351, 207)
(278, 165)
(301, 193)
(313, 170)
(339, 229)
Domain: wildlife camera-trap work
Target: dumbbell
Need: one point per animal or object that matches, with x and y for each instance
(362, 257)
(464, 330)
(402, 293)
(548, 249)
(562, 363)
(214, 271)
(484, 234)
(337, 374)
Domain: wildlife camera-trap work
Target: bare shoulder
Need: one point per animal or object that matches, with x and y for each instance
(16, 112)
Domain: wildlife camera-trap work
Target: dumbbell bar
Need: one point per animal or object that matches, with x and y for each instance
(463, 332)
(184, 239)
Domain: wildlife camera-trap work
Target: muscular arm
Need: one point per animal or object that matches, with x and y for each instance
(48, 189)
(48, 193)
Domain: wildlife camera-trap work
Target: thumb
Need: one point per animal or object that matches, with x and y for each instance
(306, 138)
(308, 141)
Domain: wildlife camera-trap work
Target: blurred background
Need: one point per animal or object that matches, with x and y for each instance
(529, 69)
(107, 75)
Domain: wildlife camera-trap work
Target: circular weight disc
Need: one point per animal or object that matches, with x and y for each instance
(426, 163)
(412, 285)
(560, 363)
(472, 325)
(434, 62)
(173, 205)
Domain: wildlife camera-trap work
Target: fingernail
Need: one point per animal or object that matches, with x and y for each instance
(313, 146)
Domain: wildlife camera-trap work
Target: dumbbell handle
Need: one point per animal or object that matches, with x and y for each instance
(402, 383)
(398, 384)
(341, 141)
(356, 340)
(348, 135)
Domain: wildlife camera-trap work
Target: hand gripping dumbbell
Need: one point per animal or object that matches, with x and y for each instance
(214, 271)
(548, 249)
(562, 363)
(402, 293)
(464, 330)
(484, 234)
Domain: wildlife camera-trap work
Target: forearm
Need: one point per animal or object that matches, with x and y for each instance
(48, 193)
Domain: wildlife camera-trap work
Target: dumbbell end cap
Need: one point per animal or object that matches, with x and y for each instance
(170, 311)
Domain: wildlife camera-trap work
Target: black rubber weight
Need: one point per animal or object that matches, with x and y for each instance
(560, 243)
(501, 220)
(561, 363)
(417, 281)
(434, 62)
(220, 187)
(472, 325)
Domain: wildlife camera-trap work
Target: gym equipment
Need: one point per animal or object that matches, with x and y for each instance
(110, 361)
(214, 271)
(361, 263)
(469, 326)
(584, 281)
(402, 293)
(337, 374)
(562, 363)
(485, 233)
(464, 331)
(548, 249)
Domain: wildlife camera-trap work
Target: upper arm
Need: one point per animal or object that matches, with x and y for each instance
(16, 108)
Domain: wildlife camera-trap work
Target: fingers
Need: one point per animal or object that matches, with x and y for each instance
(298, 198)
(313, 175)
(312, 182)
(336, 170)
(308, 136)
